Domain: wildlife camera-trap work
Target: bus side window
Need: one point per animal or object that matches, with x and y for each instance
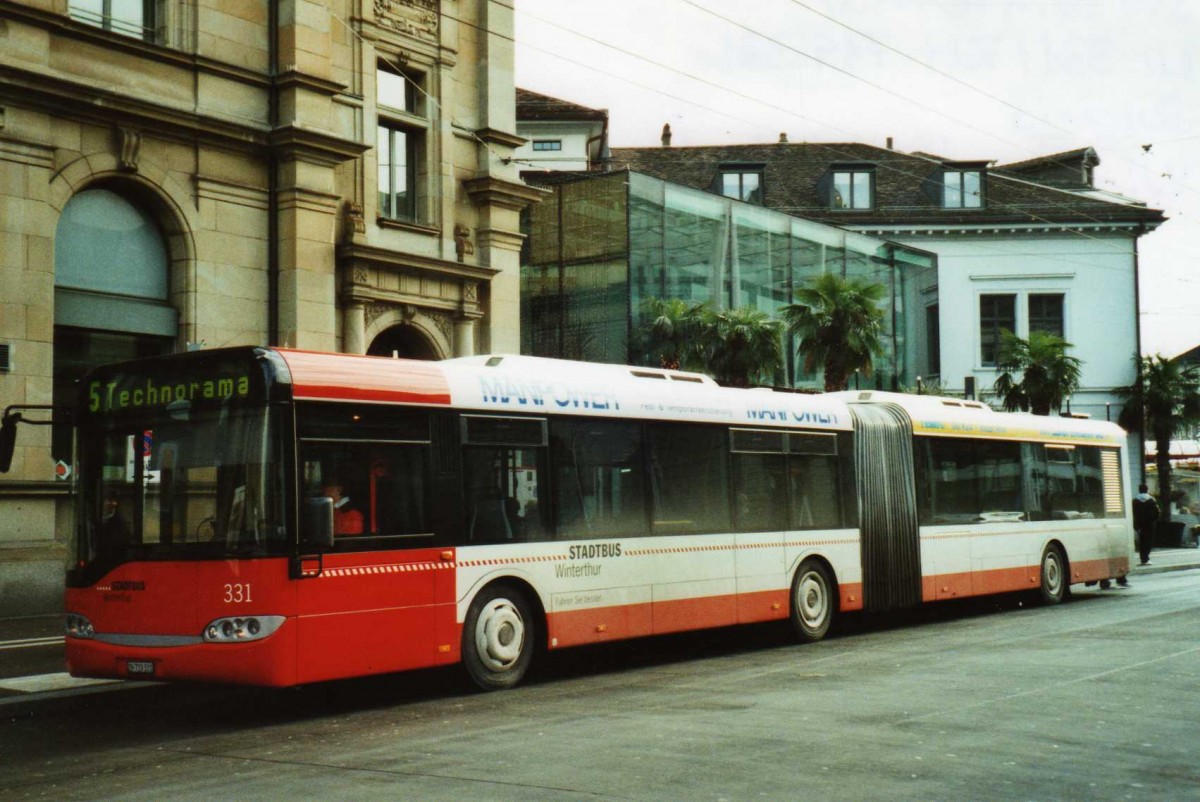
(504, 462)
(599, 479)
(689, 478)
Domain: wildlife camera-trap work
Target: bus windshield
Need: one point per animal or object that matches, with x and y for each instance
(180, 484)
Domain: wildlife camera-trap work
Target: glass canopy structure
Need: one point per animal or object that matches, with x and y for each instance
(600, 245)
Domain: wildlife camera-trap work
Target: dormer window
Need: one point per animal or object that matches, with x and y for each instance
(962, 188)
(743, 183)
(852, 188)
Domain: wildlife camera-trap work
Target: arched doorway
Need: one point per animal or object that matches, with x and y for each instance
(111, 292)
(404, 341)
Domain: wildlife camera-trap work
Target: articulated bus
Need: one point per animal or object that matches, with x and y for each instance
(278, 517)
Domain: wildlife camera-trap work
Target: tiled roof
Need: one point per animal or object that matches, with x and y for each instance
(903, 195)
(1066, 157)
(534, 106)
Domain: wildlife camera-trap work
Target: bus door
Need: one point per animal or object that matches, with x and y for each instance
(883, 459)
(373, 607)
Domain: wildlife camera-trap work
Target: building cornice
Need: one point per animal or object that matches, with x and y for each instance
(316, 147)
(76, 101)
(386, 259)
(493, 136)
(489, 190)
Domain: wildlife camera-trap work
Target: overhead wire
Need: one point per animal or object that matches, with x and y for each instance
(979, 90)
(932, 161)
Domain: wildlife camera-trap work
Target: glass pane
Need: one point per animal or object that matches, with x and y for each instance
(210, 482)
(383, 147)
(952, 190)
(696, 246)
(104, 243)
(89, 11)
(816, 495)
(128, 17)
(394, 91)
(862, 190)
(750, 188)
(503, 494)
(599, 479)
(688, 475)
(760, 490)
(731, 185)
(972, 190)
(378, 490)
(841, 190)
(402, 174)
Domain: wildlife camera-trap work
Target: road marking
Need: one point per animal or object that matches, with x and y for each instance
(29, 643)
(40, 683)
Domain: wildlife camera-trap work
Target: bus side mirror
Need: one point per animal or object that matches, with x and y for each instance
(316, 524)
(8, 440)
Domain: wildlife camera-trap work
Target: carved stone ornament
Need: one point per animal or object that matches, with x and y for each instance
(354, 223)
(131, 144)
(444, 323)
(361, 275)
(416, 18)
(372, 312)
(470, 292)
(463, 246)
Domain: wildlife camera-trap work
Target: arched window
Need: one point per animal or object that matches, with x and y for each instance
(111, 292)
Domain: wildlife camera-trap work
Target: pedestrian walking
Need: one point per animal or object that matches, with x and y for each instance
(1145, 518)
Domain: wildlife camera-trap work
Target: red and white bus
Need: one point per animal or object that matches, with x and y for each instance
(278, 517)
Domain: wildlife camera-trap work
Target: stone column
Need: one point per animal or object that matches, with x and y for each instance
(464, 335)
(354, 327)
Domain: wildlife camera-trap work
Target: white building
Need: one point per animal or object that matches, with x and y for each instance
(561, 135)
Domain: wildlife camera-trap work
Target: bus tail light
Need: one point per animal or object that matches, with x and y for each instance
(242, 629)
(79, 627)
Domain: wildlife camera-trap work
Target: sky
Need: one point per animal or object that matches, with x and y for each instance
(1002, 80)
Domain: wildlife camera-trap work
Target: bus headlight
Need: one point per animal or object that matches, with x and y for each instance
(79, 627)
(242, 629)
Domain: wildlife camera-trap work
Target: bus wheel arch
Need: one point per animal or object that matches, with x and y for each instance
(1054, 574)
(501, 633)
(814, 599)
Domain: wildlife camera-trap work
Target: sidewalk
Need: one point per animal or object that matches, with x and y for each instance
(1162, 560)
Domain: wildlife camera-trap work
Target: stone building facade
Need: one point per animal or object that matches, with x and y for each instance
(174, 174)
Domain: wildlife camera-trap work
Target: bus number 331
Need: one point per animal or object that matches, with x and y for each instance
(237, 593)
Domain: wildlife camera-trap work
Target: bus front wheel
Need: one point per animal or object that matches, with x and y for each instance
(1054, 576)
(813, 601)
(497, 636)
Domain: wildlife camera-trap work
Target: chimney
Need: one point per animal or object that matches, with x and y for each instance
(889, 143)
(666, 135)
(783, 137)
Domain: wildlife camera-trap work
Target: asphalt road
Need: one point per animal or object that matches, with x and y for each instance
(1096, 699)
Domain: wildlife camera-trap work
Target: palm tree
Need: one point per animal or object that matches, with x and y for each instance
(839, 323)
(1165, 399)
(670, 332)
(742, 346)
(1048, 374)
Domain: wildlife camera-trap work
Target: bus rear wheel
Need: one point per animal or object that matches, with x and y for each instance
(813, 604)
(1054, 576)
(497, 639)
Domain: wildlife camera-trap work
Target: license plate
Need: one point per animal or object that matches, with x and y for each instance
(142, 667)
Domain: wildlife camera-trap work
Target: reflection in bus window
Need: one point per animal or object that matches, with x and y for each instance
(816, 498)
(503, 494)
(598, 478)
(689, 478)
